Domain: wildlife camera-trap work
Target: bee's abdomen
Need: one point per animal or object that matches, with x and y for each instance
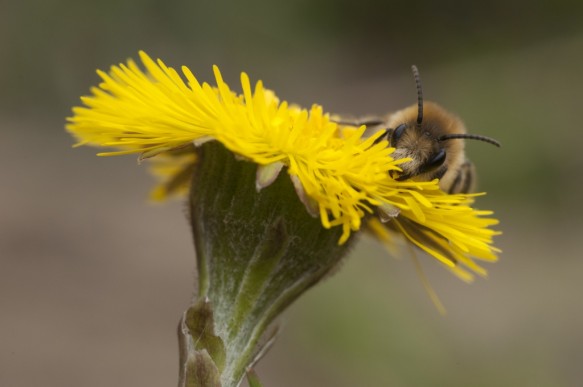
(465, 180)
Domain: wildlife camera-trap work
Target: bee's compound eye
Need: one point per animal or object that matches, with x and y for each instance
(437, 160)
(398, 133)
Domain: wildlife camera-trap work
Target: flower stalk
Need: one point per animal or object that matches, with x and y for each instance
(256, 253)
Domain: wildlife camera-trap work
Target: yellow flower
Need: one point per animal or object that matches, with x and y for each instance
(174, 170)
(340, 176)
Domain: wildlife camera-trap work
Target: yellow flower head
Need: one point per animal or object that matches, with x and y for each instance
(340, 176)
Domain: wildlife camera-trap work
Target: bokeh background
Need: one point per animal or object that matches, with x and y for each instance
(93, 279)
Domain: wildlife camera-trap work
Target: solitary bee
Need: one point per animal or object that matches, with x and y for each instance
(434, 141)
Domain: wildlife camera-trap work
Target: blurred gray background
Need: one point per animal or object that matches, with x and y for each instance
(93, 279)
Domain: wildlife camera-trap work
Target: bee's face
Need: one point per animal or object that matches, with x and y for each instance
(430, 158)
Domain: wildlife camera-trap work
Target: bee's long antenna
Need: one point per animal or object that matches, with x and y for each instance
(419, 95)
(489, 140)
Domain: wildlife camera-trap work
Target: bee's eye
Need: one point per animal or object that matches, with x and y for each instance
(436, 161)
(397, 133)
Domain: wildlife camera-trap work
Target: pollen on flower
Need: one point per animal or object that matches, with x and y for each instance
(343, 177)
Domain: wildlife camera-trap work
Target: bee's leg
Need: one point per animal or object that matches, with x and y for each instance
(372, 122)
(369, 123)
(382, 136)
(465, 181)
(366, 122)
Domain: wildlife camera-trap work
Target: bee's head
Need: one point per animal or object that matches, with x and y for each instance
(417, 142)
(416, 139)
(426, 138)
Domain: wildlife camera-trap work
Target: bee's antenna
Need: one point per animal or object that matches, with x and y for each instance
(419, 95)
(489, 140)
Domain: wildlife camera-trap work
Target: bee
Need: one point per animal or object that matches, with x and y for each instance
(433, 139)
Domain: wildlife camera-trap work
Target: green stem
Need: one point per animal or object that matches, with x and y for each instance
(256, 254)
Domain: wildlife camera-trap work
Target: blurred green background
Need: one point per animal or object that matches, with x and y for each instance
(93, 279)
